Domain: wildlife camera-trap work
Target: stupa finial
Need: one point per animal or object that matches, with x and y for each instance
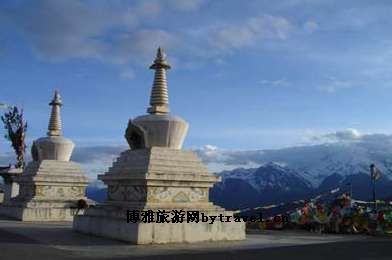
(54, 128)
(159, 99)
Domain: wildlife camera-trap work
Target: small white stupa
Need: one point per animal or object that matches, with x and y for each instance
(155, 176)
(50, 185)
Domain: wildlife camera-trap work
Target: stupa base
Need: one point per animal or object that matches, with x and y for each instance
(40, 211)
(158, 233)
(48, 191)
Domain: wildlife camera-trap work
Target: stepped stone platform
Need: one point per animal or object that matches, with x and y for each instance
(157, 179)
(57, 240)
(48, 192)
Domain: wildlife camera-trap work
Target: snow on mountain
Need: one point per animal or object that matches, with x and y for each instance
(273, 175)
(270, 175)
(239, 173)
(315, 162)
(249, 187)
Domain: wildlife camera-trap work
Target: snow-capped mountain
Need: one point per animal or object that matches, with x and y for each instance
(285, 174)
(271, 175)
(317, 162)
(272, 182)
(314, 162)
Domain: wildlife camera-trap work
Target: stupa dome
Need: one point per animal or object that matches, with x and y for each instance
(159, 128)
(54, 146)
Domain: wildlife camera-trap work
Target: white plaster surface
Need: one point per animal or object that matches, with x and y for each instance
(48, 191)
(157, 178)
(54, 148)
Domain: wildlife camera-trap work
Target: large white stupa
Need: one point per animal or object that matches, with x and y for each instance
(155, 175)
(51, 185)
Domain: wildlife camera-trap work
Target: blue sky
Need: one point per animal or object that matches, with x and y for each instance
(246, 74)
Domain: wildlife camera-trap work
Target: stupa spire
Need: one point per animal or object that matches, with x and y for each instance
(54, 128)
(159, 99)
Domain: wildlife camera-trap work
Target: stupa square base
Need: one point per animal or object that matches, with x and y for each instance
(48, 191)
(44, 212)
(158, 233)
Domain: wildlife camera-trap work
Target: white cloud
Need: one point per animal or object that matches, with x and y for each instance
(311, 26)
(209, 152)
(232, 37)
(275, 83)
(218, 159)
(96, 159)
(63, 30)
(252, 31)
(129, 32)
(186, 5)
(333, 84)
(347, 135)
(128, 74)
(210, 148)
(149, 8)
(270, 27)
(141, 45)
(59, 30)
